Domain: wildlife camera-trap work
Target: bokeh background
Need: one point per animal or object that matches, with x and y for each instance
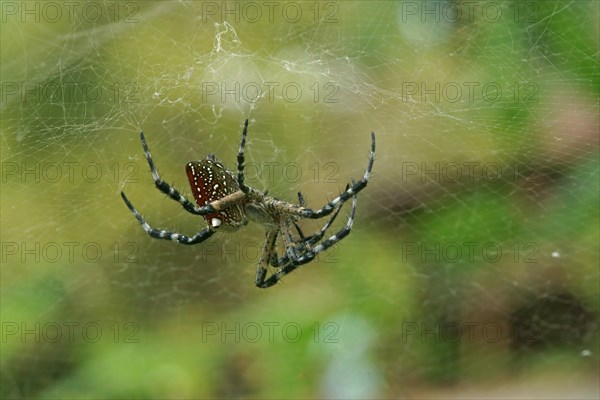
(472, 268)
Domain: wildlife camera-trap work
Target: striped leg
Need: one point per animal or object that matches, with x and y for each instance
(240, 160)
(170, 190)
(166, 235)
(306, 242)
(289, 243)
(338, 201)
(351, 191)
(302, 203)
(311, 253)
(269, 246)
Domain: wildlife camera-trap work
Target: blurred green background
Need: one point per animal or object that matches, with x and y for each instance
(472, 268)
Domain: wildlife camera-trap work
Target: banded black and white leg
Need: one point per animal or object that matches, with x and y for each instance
(241, 159)
(173, 194)
(169, 190)
(291, 246)
(309, 255)
(307, 241)
(167, 235)
(338, 201)
(266, 255)
(314, 238)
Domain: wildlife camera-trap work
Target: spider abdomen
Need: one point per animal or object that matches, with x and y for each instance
(211, 181)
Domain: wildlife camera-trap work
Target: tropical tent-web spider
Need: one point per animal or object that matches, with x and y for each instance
(227, 204)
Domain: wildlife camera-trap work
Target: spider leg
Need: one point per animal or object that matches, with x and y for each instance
(170, 190)
(240, 160)
(288, 240)
(348, 193)
(263, 263)
(310, 240)
(302, 203)
(301, 199)
(306, 242)
(162, 234)
(338, 201)
(311, 253)
(291, 246)
(299, 230)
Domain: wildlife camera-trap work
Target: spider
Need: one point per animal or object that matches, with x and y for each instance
(227, 204)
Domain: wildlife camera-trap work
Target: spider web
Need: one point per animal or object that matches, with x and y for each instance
(472, 268)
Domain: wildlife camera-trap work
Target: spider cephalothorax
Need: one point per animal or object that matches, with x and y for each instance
(226, 203)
